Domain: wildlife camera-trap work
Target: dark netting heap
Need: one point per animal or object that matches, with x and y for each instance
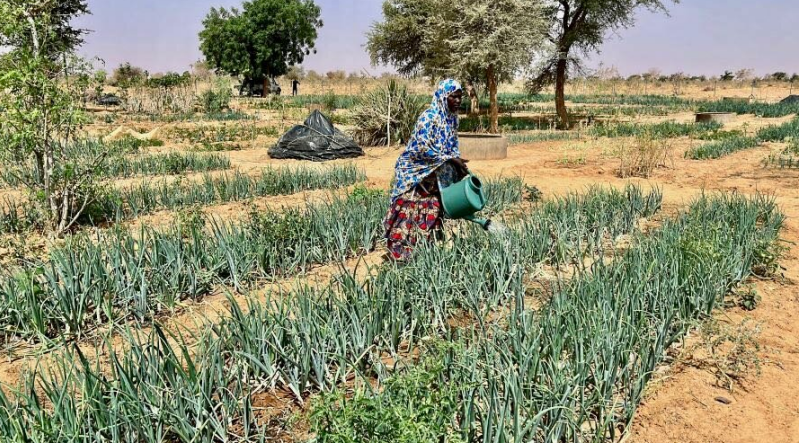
(790, 100)
(315, 140)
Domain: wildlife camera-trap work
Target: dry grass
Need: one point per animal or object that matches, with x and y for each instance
(645, 154)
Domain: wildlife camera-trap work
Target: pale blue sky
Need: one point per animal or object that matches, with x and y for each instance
(700, 36)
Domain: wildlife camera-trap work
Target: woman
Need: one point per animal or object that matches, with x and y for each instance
(430, 161)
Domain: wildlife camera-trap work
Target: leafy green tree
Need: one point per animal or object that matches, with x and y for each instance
(581, 25)
(61, 36)
(43, 84)
(169, 80)
(475, 40)
(262, 40)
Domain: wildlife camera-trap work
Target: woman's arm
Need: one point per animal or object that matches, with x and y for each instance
(460, 166)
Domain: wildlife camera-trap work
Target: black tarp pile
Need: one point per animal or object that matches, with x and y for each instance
(315, 140)
(790, 100)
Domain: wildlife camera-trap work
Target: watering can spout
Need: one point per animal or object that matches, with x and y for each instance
(480, 221)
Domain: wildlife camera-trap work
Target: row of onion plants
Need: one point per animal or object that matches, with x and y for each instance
(139, 274)
(111, 154)
(774, 133)
(149, 196)
(171, 163)
(576, 370)
(767, 110)
(307, 340)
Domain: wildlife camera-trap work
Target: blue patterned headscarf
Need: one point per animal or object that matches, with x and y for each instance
(434, 141)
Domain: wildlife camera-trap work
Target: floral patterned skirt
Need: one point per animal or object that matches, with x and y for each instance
(416, 216)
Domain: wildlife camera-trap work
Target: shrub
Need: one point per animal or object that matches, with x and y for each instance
(644, 156)
(372, 118)
(217, 98)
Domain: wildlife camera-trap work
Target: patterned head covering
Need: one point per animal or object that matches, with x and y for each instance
(434, 141)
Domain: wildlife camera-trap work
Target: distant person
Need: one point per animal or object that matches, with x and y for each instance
(295, 87)
(430, 161)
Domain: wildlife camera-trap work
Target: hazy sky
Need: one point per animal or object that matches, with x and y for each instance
(700, 36)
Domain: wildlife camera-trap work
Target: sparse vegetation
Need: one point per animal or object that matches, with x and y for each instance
(641, 157)
(731, 353)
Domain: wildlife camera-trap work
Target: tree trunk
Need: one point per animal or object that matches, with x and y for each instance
(39, 167)
(560, 93)
(474, 109)
(494, 108)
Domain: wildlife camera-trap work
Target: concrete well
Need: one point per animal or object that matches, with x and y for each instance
(483, 146)
(719, 117)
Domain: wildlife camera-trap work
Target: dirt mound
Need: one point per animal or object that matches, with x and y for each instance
(123, 131)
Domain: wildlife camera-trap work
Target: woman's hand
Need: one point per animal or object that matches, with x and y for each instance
(460, 164)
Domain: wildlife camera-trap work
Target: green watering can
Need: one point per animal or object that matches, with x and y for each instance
(464, 199)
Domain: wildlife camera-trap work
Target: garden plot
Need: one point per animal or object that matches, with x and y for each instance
(577, 369)
(141, 274)
(314, 339)
(621, 213)
(785, 132)
(570, 259)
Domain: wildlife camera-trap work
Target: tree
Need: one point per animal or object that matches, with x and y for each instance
(336, 75)
(728, 76)
(486, 41)
(43, 84)
(744, 74)
(62, 37)
(580, 25)
(779, 76)
(127, 75)
(199, 69)
(262, 40)
(313, 76)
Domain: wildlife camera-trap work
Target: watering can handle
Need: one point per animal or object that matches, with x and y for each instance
(480, 190)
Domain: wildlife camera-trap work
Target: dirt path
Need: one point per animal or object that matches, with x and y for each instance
(683, 408)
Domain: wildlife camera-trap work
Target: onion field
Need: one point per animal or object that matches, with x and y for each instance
(209, 293)
(572, 369)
